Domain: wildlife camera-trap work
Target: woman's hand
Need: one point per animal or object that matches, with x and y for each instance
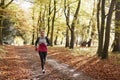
(36, 48)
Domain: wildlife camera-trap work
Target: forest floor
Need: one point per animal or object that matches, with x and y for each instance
(23, 63)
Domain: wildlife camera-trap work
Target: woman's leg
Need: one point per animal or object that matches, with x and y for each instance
(43, 58)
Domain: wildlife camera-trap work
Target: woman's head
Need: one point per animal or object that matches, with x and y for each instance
(42, 33)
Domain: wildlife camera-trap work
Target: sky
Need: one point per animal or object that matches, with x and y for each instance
(23, 4)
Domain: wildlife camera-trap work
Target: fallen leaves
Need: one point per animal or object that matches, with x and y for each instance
(23, 63)
(11, 67)
(108, 69)
(14, 67)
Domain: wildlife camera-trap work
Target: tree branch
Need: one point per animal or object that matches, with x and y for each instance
(67, 14)
(8, 4)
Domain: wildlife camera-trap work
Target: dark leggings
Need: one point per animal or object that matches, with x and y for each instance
(43, 58)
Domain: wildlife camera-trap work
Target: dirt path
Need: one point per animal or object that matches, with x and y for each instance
(32, 60)
(26, 66)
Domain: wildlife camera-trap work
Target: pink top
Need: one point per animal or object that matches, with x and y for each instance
(42, 47)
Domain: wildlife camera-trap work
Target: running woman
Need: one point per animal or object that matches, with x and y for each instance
(41, 46)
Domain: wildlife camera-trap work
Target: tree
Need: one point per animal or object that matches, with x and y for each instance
(116, 44)
(67, 16)
(107, 31)
(48, 19)
(92, 25)
(33, 33)
(98, 27)
(67, 38)
(73, 25)
(101, 27)
(104, 40)
(53, 21)
(56, 38)
(74, 21)
(3, 5)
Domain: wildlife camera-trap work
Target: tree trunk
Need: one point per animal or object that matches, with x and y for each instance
(72, 38)
(1, 31)
(55, 42)
(67, 16)
(56, 38)
(1, 21)
(102, 25)
(101, 34)
(73, 26)
(116, 45)
(67, 37)
(2, 6)
(107, 33)
(91, 23)
(49, 13)
(39, 24)
(33, 37)
(67, 13)
(33, 34)
(53, 20)
(98, 26)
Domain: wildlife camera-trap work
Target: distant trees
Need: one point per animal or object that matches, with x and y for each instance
(55, 20)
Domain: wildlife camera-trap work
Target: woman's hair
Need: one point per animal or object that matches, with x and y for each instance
(42, 31)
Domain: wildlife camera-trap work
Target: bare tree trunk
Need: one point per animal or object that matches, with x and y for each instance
(1, 26)
(1, 21)
(107, 33)
(116, 45)
(56, 38)
(101, 27)
(53, 20)
(72, 38)
(2, 6)
(33, 34)
(67, 15)
(98, 26)
(43, 17)
(49, 13)
(91, 22)
(39, 24)
(67, 37)
(73, 25)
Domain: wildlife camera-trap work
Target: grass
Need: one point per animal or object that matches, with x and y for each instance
(83, 51)
(2, 51)
(116, 56)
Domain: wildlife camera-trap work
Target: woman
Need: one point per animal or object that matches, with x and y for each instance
(41, 46)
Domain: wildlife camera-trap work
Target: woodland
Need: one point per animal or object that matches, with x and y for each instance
(83, 34)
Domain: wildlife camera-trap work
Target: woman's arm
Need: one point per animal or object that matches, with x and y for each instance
(48, 41)
(36, 42)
